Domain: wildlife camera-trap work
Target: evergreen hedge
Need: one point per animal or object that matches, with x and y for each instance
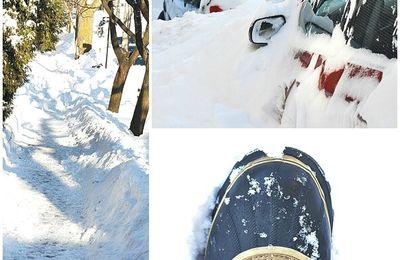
(28, 26)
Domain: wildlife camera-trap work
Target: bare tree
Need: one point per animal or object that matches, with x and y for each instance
(142, 106)
(128, 12)
(141, 7)
(126, 59)
(69, 6)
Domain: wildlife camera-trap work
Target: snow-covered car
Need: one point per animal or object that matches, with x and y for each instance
(176, 8)
(215, 6)
(370, 25)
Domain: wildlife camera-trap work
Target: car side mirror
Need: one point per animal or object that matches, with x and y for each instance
(312, 23)
(262, 30)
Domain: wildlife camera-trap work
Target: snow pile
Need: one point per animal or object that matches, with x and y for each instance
(206, 73)
(76, 179)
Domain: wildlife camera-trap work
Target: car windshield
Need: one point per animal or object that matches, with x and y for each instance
(371, 25)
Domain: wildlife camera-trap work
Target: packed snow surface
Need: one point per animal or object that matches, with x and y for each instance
(75, 182)
(206, 73)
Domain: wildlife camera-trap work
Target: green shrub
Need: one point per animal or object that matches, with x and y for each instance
(18, 48)
(49, 21)
(27, 26)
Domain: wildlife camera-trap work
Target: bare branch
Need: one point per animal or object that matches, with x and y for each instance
(107, 6)
(114, 42)
(143, 6)
(145, 43)
(138, 26)
(133, 56)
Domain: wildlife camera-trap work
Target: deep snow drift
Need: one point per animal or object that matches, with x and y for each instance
(206, 73)
(75, 182)
(361, 168)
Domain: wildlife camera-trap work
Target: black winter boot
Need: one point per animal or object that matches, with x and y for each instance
(272, 208)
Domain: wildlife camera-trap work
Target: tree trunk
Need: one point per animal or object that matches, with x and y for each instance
(69, 8)
(142, 106)
(69, 25)
(84, 27)
(118, 86)
(127, 21)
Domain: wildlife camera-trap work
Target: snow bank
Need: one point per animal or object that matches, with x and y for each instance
(206, 73)
(96, 170)
(116, 178)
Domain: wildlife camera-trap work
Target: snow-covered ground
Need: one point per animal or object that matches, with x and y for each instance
(75, 182)
(206, 73)
(361, 166)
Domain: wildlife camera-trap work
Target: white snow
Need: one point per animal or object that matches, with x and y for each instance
(206, 73)
(263, 235)
(235, 172)
(360, 165)
(268, 182)
(254, 186)
(15, 39)
(75, 179)
(227, 200)
(308, 236)
(8, 21)
(302, 180)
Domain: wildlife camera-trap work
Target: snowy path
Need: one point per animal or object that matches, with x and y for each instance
(75, 182)
(47, 198)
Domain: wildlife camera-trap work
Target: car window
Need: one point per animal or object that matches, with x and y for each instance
(371, 25)
(195, 3)
(332, 8)
(374, 27)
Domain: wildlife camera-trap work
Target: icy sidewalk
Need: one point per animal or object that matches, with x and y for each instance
(75, 182)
